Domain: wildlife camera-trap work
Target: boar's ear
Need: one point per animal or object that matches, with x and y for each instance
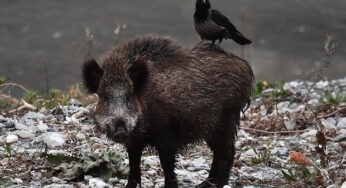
(138, 73)
(92, 75)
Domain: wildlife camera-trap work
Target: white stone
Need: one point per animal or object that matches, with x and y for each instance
(343, 185)
(42, 127)
(342, 123)
(322, 84)
(280, 151)
(20, 126)
(329, 123)
(97, 183)
(11, 138)
(263, 111)
(56, 180)
(313, 102)
(227, 186)
(198, 162)
(333, 186)
(53, 139)
(283, 106)
(33, 129)
(250, 153)
(19, 181)
(289, 124)
(80, 136)
(310, 133)
(23, 134)
(59, 186)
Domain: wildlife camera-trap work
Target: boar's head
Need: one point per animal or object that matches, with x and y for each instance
(118, 86)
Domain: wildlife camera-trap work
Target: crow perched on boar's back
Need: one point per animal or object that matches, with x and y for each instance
(153, 92)
(212, 25)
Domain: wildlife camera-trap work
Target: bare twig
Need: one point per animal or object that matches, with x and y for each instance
(331, 114)
(6, 85)
(26, 105)
(273, 132)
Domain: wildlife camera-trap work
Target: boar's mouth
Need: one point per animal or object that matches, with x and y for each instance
(119, 133)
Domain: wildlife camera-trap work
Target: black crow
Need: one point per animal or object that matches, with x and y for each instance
(211, 25)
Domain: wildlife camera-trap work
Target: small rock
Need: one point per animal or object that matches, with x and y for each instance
(322, 84)
(283, 106)
(340, 138)
(333, 186)
(113, 180)
(11, 138)
(54, 139)
(93, 182)
(78, 114)
(20, 126)
(250, 153)
(343, 185)
(56, 180)
(2, 119)
(263, 111)
(227, 186)
(313, 102)
(43, 110)
(23, 134)
(42, 127)
(9, 125)
(19, 181)
(33, 129)
(342, 123)
(2, 126)
(59, 186)
(280, 151)
(310, 133)
(75, 102)
(329, 123)
(34, 115)
(80, 136)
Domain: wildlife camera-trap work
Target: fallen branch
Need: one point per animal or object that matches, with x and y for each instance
(26, 105)
(332, 114)
(273, 132)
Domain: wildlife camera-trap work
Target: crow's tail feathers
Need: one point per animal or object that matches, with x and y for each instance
(239, 38)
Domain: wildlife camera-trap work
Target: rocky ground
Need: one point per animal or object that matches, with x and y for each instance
(293, 135)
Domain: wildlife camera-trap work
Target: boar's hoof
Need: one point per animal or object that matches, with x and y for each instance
(206, 184)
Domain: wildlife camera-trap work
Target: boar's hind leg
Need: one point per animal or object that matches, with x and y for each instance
(167, 160)
(222, 145)
(134, 178)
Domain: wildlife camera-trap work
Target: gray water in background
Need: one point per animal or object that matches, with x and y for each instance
(288, 35)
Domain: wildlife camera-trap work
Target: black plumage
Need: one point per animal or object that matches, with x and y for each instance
(211, 25)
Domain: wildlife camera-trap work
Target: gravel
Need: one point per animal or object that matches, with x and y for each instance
(63, 142)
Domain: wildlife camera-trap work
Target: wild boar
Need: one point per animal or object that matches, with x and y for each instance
(153, 92)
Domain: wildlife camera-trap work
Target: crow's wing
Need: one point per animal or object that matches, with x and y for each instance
(221, 20)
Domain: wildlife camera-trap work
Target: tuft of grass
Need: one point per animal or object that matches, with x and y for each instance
(31, 96)
(334, 99)
(300, 171)
(3, 79)
(278, 95)
(6, 182)
(8, 149)
(264, 156)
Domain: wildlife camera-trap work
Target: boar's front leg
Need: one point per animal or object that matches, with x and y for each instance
(135, 152)
(167, 160)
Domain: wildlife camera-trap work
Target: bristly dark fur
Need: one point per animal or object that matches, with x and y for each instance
(186, 96)
(92, 74)
(212, 25)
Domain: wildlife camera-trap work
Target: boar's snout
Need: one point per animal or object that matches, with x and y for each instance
(118, 131)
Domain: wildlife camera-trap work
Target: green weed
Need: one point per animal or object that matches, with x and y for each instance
(264, 156)
(334, 99)
(299, 171)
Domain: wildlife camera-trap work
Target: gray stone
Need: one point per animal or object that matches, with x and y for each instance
(42, 127)
(342, 123)
(56, 180)
(33, 129)
(20, 126)
(340, 138)
(2, 119)
(23, 134)
(34, 115)
(310, 133)
(9, 125)
(322, 84)
(75, 102)
(11, 138)
(279, 151)
(2, 126)
(329, 123)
